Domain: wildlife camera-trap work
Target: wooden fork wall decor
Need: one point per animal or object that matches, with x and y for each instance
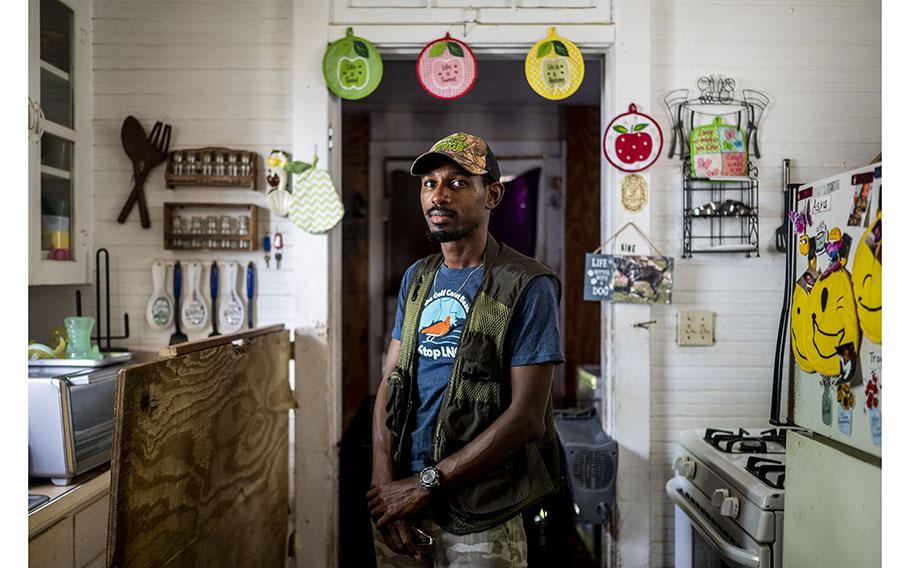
(145, 154)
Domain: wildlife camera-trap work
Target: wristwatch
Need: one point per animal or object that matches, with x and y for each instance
(429, 477)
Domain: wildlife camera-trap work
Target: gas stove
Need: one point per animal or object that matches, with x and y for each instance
(728, 489)
(771, 441)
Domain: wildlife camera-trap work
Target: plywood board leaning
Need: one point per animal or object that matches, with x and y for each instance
(199, 472)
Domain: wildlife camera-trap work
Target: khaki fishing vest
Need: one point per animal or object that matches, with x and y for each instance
(478, 391)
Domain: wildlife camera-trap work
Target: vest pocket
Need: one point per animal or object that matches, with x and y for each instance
(503, 487)
(479, 360)
(464, 420)
(395, 406)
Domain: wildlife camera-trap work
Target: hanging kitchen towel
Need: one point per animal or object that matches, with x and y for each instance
(315, 205)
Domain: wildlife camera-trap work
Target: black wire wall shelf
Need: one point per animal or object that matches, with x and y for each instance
(720, 214)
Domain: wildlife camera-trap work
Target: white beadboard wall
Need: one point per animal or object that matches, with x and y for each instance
(820, 63)
(218, 71)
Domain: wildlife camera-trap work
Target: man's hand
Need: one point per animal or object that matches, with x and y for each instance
(396, 500)
(398, 536)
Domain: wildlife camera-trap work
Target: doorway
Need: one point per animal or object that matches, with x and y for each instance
(549, 155)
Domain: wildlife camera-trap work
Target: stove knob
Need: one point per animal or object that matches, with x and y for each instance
(684, 466)
(730, 507)
(719, 496)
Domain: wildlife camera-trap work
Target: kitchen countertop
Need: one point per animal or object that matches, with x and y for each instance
(64, 498)
(83, 489)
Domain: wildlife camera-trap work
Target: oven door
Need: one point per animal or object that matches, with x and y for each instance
(705, 542)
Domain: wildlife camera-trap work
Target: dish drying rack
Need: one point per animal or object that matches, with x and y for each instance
(720, 215)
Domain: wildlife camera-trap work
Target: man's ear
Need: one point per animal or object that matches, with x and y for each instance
(495, 191)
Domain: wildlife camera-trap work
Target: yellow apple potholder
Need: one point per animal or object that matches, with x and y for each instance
(554, 67)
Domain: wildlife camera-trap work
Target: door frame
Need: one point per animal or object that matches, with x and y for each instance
(625, 52)
(387, 155)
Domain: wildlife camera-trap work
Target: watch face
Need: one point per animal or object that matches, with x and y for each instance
(428, 476)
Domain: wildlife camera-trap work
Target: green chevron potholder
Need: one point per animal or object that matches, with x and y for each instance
(352, 67)
(315, 205)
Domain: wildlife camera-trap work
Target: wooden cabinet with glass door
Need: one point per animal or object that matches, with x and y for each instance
(60, 192)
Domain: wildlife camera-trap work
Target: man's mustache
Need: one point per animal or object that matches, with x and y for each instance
(441, 211)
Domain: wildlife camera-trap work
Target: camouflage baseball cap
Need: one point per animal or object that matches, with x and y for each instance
(468, 151)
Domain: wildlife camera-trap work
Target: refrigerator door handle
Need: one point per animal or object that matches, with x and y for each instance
(740, 556)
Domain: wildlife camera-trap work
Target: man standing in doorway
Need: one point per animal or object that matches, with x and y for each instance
(463, 432)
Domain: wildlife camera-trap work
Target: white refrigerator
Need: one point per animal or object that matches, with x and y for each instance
(832, 514)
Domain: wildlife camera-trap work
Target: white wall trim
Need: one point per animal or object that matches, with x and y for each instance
(317, 354)
(495, 37)
(318, 376)
(626, 355)
(473, 12)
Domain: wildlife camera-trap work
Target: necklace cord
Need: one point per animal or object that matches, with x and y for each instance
(462, 284)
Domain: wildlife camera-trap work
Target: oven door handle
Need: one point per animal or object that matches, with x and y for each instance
(715, 539)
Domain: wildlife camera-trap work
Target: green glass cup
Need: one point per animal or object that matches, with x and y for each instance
(79, 334)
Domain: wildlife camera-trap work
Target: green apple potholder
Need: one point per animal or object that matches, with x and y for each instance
(352, 67)
(315, 205)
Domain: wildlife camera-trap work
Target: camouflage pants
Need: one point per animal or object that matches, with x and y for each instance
(503, 546)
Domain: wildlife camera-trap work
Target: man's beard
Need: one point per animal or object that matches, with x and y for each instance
(444, 236)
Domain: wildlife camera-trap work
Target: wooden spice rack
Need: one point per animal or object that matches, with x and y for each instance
(189, 167)
(206, 240)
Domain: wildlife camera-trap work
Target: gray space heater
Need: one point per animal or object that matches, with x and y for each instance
(590, 463)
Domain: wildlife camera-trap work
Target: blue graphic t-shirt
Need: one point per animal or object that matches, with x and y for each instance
(532, 338)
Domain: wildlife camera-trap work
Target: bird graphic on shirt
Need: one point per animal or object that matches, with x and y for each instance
(438, 329)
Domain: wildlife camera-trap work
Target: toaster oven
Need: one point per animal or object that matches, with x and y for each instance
(70, 420)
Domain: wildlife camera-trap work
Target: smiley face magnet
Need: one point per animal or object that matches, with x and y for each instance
(446, 68)
(834, 328)
(867, 281)
(800, 323)
(554, 67)
(352, 67)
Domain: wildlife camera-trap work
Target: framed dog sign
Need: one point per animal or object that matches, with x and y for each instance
(631, 279)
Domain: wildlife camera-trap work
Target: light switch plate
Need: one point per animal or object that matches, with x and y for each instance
(694, 328)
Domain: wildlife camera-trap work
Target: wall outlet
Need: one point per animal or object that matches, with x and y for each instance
(694, 328)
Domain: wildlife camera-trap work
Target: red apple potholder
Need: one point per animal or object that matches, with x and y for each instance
(633, 141)
(446, 68)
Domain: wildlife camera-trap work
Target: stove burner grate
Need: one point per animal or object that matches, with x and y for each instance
(740, 442)
(766, 470)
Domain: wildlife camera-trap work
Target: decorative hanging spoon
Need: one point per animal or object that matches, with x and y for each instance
(232, 313)
(178, 336)
(159, 310)
(213, 288)
(250, 279)
(195, 311)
